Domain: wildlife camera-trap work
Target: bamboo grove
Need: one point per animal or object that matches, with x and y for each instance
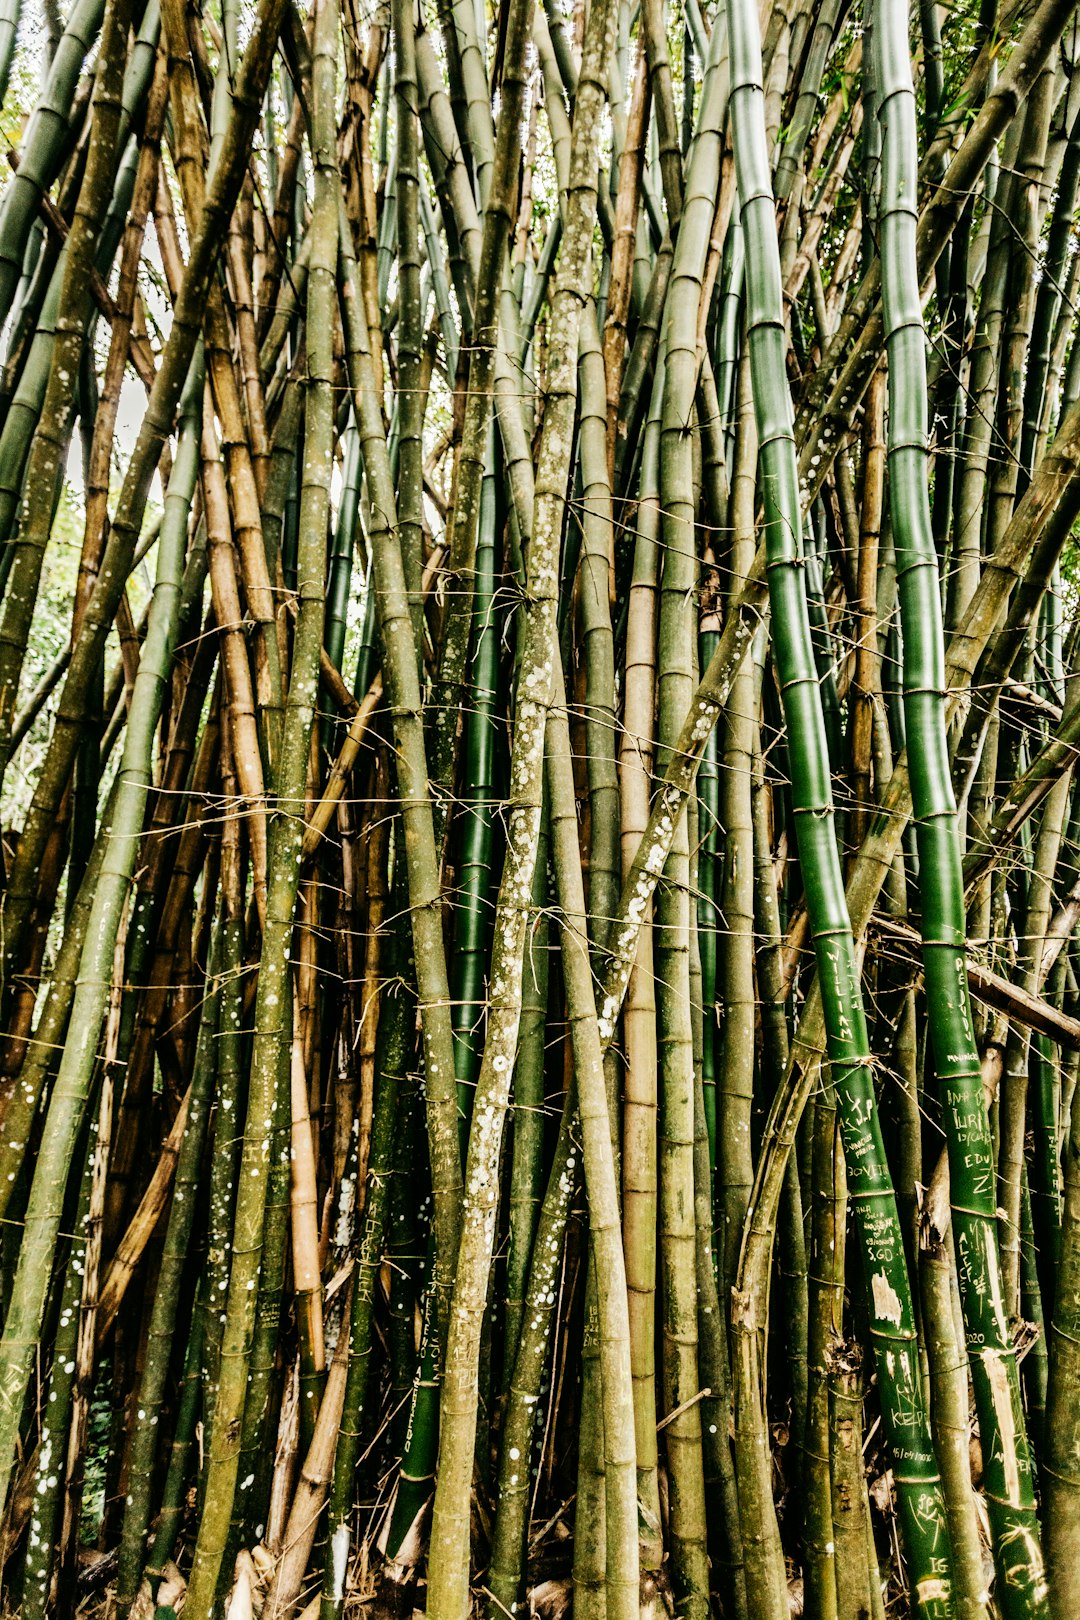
(540, 869)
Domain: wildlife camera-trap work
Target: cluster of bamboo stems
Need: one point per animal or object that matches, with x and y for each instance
(538, 961)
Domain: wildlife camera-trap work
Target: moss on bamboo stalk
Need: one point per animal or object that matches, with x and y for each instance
(474, 870)
(448, 1588)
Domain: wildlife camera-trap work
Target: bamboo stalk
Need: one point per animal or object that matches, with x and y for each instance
(1007, 1460)
(891, 1320)
(448, 1587)
(285, 838)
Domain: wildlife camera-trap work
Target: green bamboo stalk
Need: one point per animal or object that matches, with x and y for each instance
(660, 81)
(457, 200)
(856, 1562)
(590, 1506)
(634, 394)
(638, 886)
(10, 13)
(947, 1360)
(340, 571)
(47, 1039)
(683, 1432)
(477, 100)
(798, 130)
(24, 411)
(507, 1571)
(1027, 210)
(598, 646)
(420, 1448)
(527, 1164)
(771, 1215)
(1049, 297)
(1045, 1171)
(451, 45)
(721, 1484)
(682, 1435)
(304, 1234)
(1034, 1370)
(1019, 1057)
(228, 1127)
(1040, 509)
(174, 1490)
(1007, 1462)
(447, 321)
(46, 1516)
(45, 141)
(857, 342)
(736, 993)
(760, 1531)
(707, 919)
(405, 1218)
(401, 674)
(22, 1324)
(410, 399)
(891, 1323)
